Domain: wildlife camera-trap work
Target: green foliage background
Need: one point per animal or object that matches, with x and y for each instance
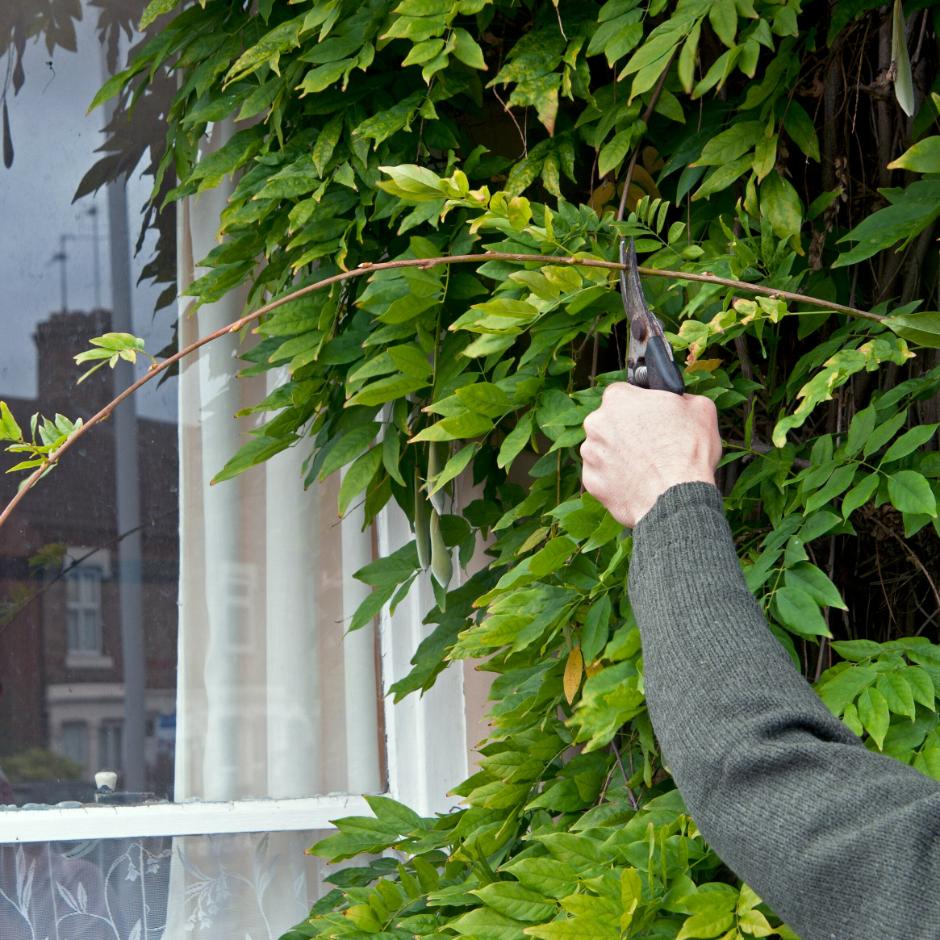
(763, 141)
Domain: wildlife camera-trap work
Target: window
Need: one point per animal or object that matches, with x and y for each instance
(73, 742)
(199, 646)
(110, 756)
(83, 610)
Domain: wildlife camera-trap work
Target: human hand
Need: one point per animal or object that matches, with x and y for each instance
(640, 442)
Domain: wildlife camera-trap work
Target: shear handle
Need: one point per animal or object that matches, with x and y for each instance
(661, 371)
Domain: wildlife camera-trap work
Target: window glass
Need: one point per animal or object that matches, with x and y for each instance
(83, 609)
(248, 886)
(189, 637)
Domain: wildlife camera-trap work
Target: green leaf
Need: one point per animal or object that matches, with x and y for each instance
(921, 685)
(546, 876)
(909, 491)
(414, 183)
(256, 451)
(358, 477)
(857, 650)
(234, 153)
(326, 143)
(840, 481)
(723, 16)
(578, 928)
(798, 124)
(922, 328)
(816, 583)
(387, 389)
(874, 715)
(453, 468)
(909, 441)
(884, 432)
(9, 429)
(468, 50)
(596, 628)
(722, 177)
(356, 834)
(923, 157)
(928, 761)
(708, 924)
(781, 205)
(687, 58)
(347, 447)
(897, 693)
(267, 51)
(392, 570)
(615, 151)
(154, 9)
(860, 429)
(513, 900)
(516, 440)
(910, 212)
(903, 77)
(457, 427)
(860, 494)
(739, 138)
(797, 611)
(394, 816)
(837, 690)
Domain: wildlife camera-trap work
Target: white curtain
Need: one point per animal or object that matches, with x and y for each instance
(274, 699)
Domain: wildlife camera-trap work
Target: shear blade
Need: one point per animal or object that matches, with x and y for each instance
(631, 291)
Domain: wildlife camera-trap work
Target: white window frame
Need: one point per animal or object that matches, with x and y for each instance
(425, 735)
(78, 559)
(426, 753)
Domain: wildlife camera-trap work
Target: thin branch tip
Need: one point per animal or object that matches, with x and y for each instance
(367, 267)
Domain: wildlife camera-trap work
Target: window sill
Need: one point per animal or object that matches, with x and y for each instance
(76, 660)
(55, 823)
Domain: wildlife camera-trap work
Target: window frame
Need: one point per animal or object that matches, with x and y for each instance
(78, 562)
(425, 739)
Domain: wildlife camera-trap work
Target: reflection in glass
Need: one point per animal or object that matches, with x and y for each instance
(189, 637)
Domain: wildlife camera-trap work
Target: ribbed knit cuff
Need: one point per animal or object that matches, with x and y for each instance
(689, 517)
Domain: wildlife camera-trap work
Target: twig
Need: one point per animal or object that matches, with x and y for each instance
(647, 114)
(623, 773)
(913, 557)
(368, 268)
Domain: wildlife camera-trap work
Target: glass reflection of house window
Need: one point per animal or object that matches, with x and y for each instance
(83, 610)
(73, 741)
(110, 735)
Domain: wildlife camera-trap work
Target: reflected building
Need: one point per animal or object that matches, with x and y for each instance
(61, 674)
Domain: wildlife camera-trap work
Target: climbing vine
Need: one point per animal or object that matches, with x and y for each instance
(790, 145)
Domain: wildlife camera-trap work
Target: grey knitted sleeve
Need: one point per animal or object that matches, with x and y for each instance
(842, 843)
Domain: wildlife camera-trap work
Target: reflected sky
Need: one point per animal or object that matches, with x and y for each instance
(55, 144)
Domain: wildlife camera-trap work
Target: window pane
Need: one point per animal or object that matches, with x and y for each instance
(252, 887)
(196, 632)
(73, 743)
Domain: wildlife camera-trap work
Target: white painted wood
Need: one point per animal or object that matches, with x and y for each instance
(292, 558)
(360, 686)
(426, 735)
(176, 819)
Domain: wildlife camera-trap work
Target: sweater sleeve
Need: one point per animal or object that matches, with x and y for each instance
(841, 842)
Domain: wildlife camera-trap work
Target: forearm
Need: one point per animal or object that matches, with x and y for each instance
(789, 798)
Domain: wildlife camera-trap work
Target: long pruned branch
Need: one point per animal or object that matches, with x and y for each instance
(368, 268)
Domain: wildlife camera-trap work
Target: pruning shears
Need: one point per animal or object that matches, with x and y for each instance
(649, 357)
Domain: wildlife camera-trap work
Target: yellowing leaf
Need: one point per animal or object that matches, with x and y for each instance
(923, 157)
(703, 365)
(574, 668)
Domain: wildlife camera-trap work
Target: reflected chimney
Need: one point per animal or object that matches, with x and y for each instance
(57, 340)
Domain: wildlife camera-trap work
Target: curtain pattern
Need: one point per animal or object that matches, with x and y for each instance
(247, 887)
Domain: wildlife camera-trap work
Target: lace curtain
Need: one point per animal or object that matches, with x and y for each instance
(118, 889)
